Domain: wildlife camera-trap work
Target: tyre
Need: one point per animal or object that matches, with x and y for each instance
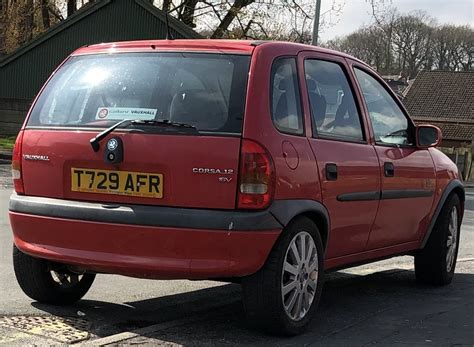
(49, 282)
(283, 296)
(435, 264)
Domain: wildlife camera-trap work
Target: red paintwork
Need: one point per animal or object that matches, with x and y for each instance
(358, 171)
(445, 173)
(141, 251)
(360, 231)
(171, 155)
(414, 169)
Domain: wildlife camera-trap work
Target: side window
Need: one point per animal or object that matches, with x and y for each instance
(333, 106)
(285, 97)
(390, 124)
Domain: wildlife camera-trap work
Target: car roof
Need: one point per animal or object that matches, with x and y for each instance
(203, 45)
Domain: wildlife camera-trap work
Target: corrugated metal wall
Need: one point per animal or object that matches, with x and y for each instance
(118, 20)
(12, 114)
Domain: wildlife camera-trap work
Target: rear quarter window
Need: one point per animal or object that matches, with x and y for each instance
(285, 97)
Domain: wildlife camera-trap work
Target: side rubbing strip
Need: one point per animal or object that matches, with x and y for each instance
(385, 195)
(360, 196)
(406, 193)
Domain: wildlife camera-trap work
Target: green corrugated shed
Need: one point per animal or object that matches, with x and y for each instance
(23, 72)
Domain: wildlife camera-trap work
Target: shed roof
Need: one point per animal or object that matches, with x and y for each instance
(442, 95)
(23, 72)
(456, 131)
(445, 99)
(87, 10)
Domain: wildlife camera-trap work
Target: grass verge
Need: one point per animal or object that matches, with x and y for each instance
(7, 143)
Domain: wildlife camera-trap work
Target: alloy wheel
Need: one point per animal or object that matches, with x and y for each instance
(299, 276)
(452, 238)
(65, 279)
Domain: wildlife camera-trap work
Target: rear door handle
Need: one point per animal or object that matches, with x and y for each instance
(388, 169)
(331, 172)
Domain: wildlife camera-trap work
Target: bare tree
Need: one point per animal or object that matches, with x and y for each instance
(412, 41)
(21, 20)
(188, 12)
(384, 15)
(453, 47)
(3, 13)
(71, 7)
(463, 49)
(262, 19)
(367, 44)
(416, 43)
(45, 16)
(18, 20)
(227, 19)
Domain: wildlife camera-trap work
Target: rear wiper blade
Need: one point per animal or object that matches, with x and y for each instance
(95, 141)
(163, 122)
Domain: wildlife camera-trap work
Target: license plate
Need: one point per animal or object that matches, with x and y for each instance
(140, 184)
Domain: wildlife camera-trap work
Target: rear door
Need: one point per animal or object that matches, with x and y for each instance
(163, 164)
(407, 173)
(348, 165)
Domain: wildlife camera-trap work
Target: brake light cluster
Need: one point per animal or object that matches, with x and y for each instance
(16, 165)
(256, 177)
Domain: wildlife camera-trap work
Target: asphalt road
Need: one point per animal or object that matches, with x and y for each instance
(376, 303)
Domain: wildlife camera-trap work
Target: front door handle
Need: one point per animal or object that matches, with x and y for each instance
(331, 172)
(388, 169)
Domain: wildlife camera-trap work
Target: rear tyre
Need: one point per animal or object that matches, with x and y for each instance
(48, 282)
(435, 264)
(283, 296)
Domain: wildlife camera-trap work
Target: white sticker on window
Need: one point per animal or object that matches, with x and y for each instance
(118, 113)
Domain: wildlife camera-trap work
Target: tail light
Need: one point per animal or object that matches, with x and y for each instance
(16, 165)
(256, 177)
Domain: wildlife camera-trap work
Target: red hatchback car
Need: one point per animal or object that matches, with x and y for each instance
(263, 162)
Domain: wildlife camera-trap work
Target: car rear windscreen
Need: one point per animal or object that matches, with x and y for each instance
(205, 90)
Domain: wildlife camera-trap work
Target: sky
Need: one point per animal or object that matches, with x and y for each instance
(356, 13)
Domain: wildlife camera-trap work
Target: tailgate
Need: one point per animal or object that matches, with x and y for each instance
(193, 171)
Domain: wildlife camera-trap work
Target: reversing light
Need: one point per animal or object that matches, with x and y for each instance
(16, 165)
(256, 177)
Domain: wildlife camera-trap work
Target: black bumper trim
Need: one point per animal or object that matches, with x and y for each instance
(157, 216)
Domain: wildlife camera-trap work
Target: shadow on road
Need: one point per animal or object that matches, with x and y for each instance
(388, 307)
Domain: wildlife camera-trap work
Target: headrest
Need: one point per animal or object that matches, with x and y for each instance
(311, 84)
(200, 108)
(282, 85)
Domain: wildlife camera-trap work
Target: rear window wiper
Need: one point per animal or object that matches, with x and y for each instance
(95, 142)
(163, 122)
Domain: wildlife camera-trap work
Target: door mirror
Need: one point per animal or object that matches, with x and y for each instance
(428, 136)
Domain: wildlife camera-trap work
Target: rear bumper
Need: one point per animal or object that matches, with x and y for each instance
(135, 241)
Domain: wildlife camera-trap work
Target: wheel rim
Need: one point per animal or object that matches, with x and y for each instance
(452, 241)
(65, 280)
(299, 276)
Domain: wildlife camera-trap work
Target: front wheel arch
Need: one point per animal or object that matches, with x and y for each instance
(453, 187)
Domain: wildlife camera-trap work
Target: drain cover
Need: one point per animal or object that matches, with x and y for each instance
(67, 330)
